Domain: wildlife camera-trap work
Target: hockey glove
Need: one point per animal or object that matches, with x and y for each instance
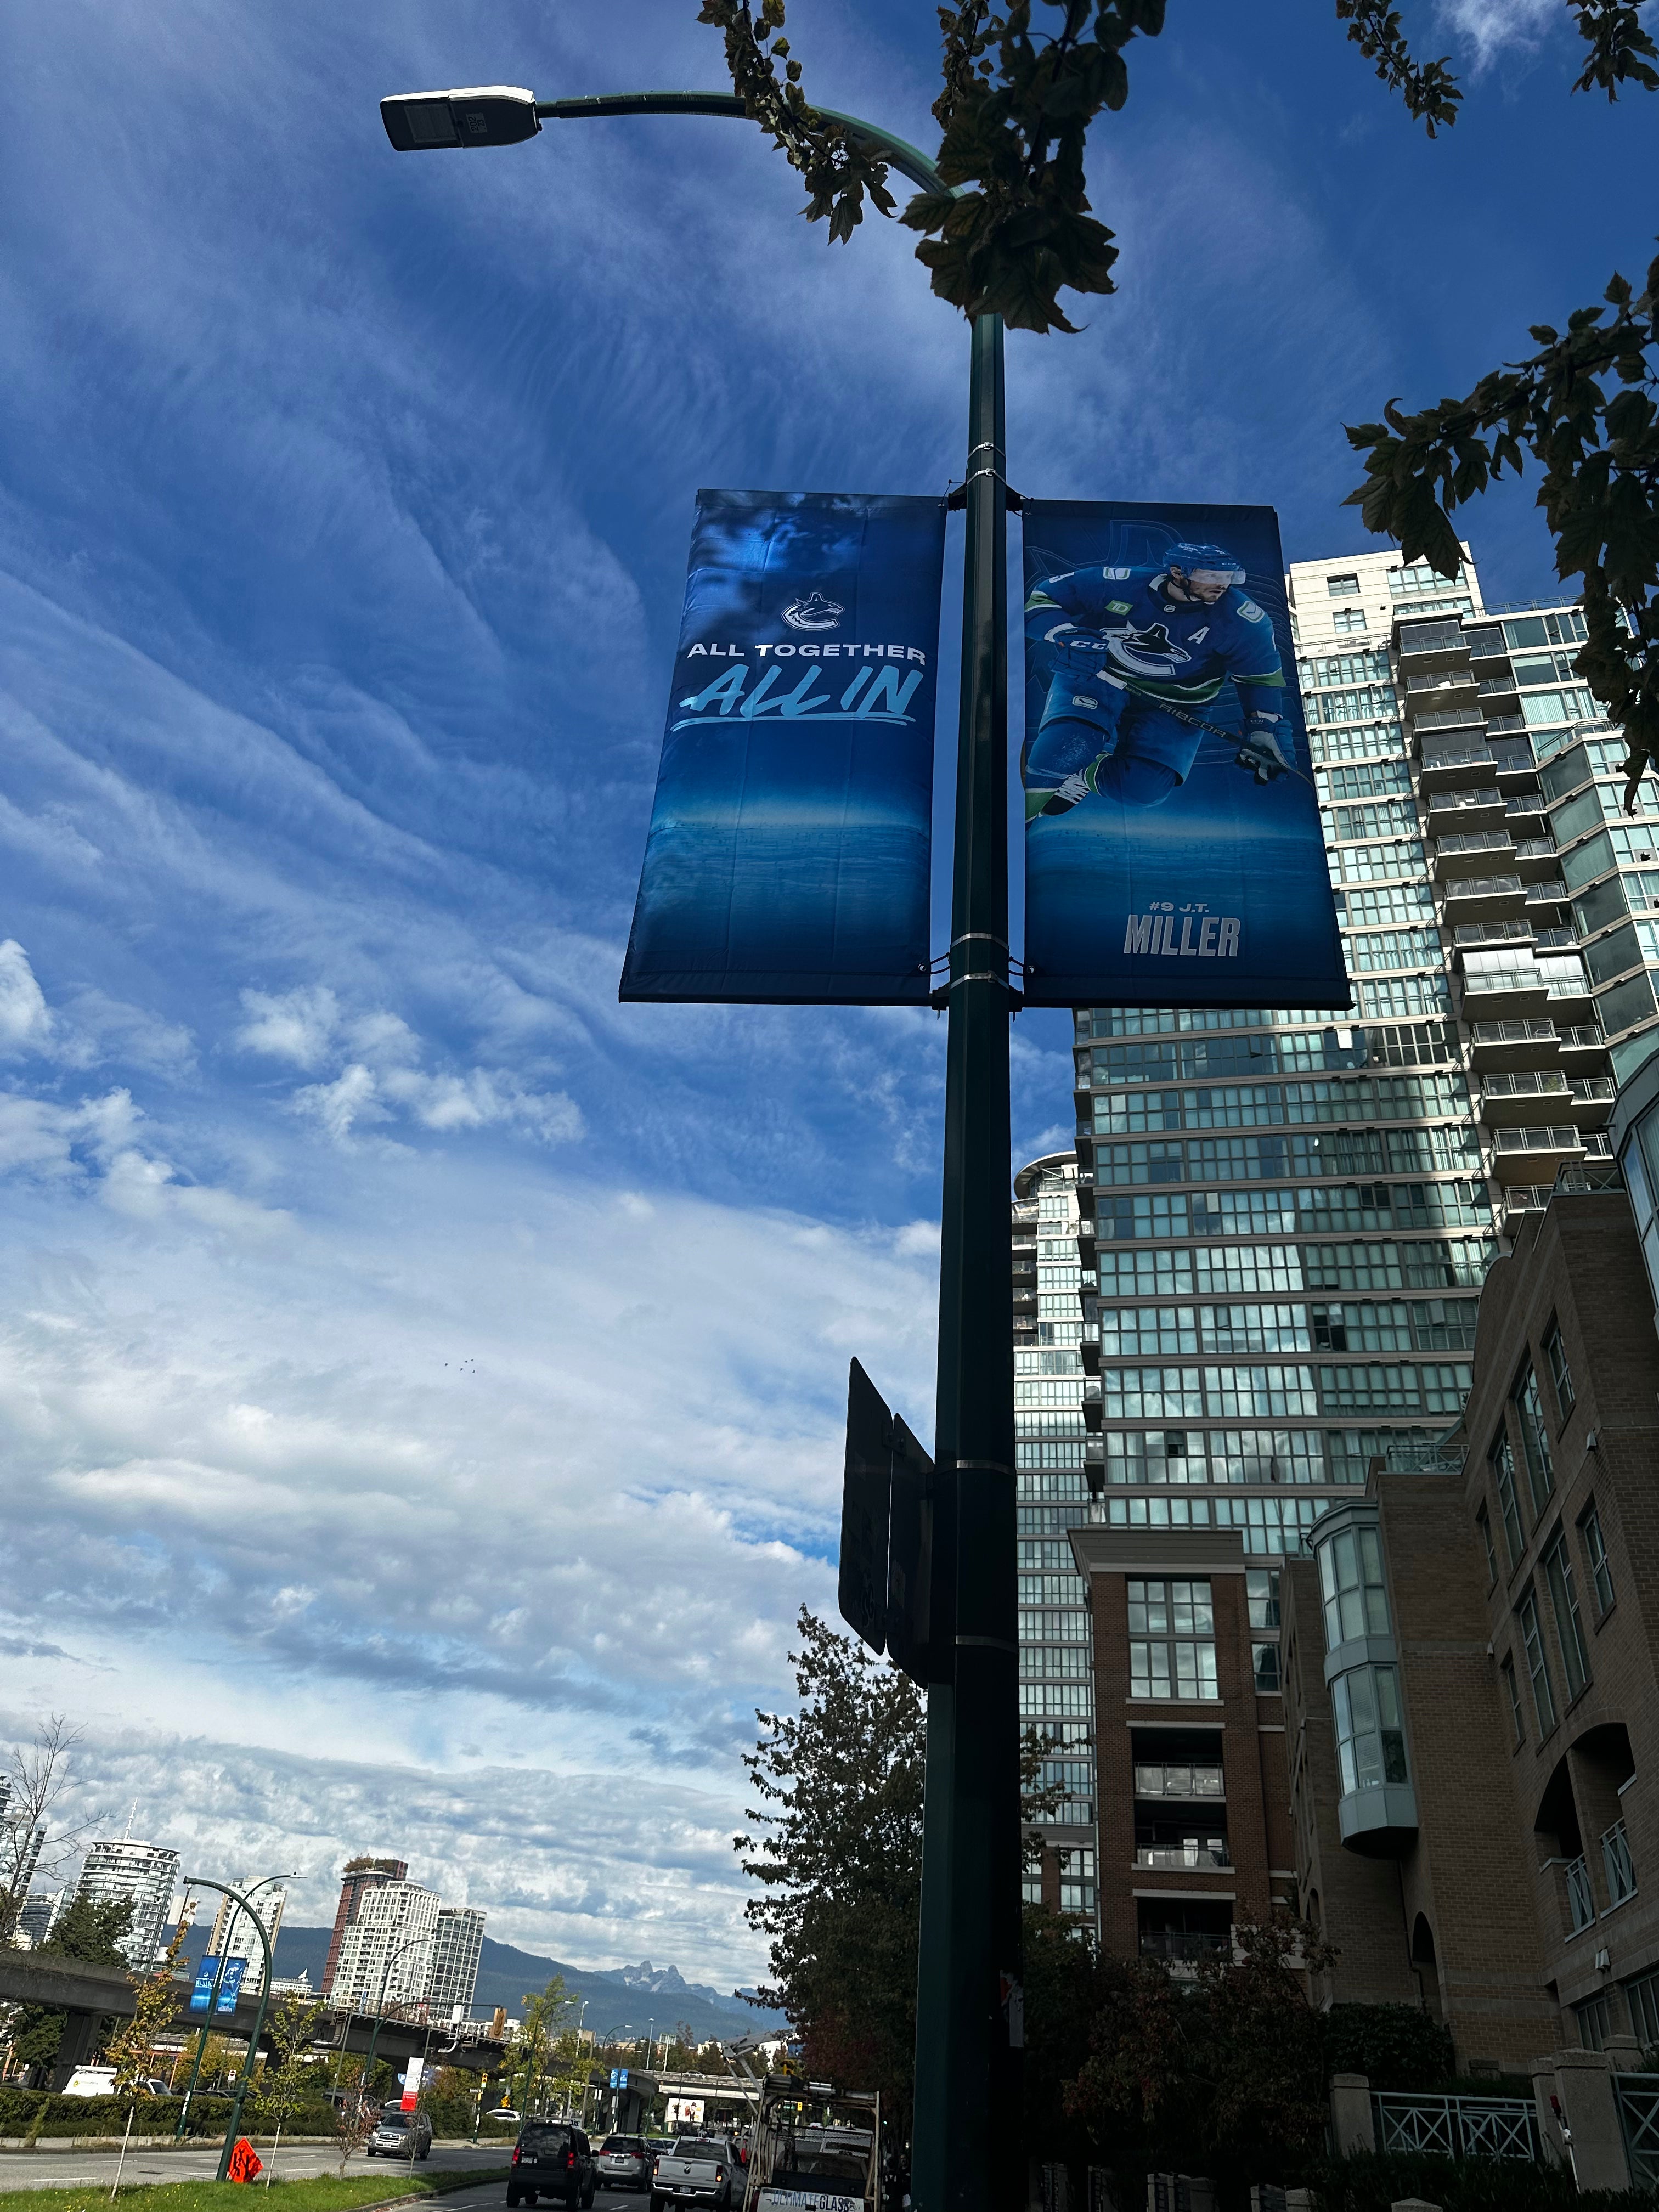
(1082, 651)
(1260, 750)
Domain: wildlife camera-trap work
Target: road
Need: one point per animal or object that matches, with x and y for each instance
(22, 2169)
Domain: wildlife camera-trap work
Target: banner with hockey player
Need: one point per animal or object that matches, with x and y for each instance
(788, 854)
(1173, 849)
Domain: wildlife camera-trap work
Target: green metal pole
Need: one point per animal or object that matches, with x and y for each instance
(967, 2137)
(968, 1997)
(200, 1881)
(213, 2000)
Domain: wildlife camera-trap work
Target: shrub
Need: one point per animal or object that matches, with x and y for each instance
(1475, 2185)
(1395, 2046)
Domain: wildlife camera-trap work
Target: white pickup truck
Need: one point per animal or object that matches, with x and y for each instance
(694, 2169)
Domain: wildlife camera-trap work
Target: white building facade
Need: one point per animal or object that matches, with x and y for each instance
(387, 1953)
(235, 1935)
(144, 1875)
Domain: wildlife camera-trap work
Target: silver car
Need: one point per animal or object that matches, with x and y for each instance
(625, 2163)
(400, 2135)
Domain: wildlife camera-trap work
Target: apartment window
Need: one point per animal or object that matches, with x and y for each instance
(1348, 618)
(1351, 1576)
(1531, 1642)
(1534, 1438)
(1643, 1997)
(1595, 1551)
(1555, 1356)
(1171, 1640)
(1502, 1460)
(1262, 1589)
(1595, 2022)
(1569, 1631)
(1513, 1687)
(1483, 1523)
(1343, 587)
(1264, 1660)
(1370, 1737)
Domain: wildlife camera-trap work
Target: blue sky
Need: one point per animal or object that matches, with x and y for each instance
(420, 1377)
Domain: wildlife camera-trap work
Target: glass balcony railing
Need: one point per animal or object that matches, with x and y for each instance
(1163, 1779)
(1204, 1857)
(1186, 1944)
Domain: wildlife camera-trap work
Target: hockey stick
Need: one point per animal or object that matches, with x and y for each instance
(1235, 738)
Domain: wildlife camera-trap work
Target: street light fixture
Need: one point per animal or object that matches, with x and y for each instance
(970, 2002)
(482, 115)
(218, 1978)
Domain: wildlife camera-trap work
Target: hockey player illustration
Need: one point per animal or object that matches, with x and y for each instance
(1139, 656)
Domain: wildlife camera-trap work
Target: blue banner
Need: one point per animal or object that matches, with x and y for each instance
(788, 854)
(201, 1994)
(230, 1987)
(1173, 848)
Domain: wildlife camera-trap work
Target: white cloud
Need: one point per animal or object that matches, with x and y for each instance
(292, 1025)
(25, 1020)
(1493, 28)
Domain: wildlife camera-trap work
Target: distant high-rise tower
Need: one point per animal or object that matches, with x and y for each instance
(455, 1951)
(359, 1876)
(144, 1875)
(233, 1935)
(385, 1953)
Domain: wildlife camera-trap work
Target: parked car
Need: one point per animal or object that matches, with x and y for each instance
(554, 2160)
(696, 2170)
(400, 2135)
(624, 2162)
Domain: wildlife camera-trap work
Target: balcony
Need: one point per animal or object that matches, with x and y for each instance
(1452, 810)
(1533, 1154)
(1091, 1403)
(1430, 721)
(1451, 679)
(1525, 1198)
(1200, 1857)
(1579, 1042)
(1592, 1099)
(1496, 687)
(1617, 1864)
(1548, 891)
(1527, 1095)
(1466, 852)
(1524, 806)
(1484, 898)
(1502, 724)
(1505, 993)
(1536, 860)
(1430, 645)
(1517, 933)
(1448, 765)
(1168, 1779)
(1513, 1045)
(1183, 1945)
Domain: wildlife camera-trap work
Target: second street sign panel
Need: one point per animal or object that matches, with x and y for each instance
(1173, 848)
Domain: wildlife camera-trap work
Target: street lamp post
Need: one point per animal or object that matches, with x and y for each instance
(201, 1881)
(213, 1995)
(966, 2152)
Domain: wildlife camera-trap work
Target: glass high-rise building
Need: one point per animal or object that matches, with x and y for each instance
(1258, 1270)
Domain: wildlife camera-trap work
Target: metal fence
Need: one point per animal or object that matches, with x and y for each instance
(1456, 2127)
(1638, 2096)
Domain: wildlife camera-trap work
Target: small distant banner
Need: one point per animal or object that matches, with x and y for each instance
(788, 856)
(201, 1992)
(1173, 849)
(230, 1986)
(412, 2096)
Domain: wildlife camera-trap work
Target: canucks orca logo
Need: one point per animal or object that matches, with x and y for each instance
(814, 612)
(1149, 652)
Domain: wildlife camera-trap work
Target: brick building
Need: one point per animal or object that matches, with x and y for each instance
(1470, 1678)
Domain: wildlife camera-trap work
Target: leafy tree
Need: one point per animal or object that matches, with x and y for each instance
(288, 2082)
(155, 2003)
(835, 1845)
(1396, 2046)
(536, 2050)
(1222, 2074)
(1013, 230)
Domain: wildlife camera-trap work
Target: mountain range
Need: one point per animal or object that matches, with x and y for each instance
(630, 1999)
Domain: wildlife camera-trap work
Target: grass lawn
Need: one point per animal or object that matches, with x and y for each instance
(327, 2193)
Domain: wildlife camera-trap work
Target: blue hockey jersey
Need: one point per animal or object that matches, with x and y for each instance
(1160, 646)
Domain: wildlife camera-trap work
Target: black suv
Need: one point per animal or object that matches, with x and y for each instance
(552, 2160)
